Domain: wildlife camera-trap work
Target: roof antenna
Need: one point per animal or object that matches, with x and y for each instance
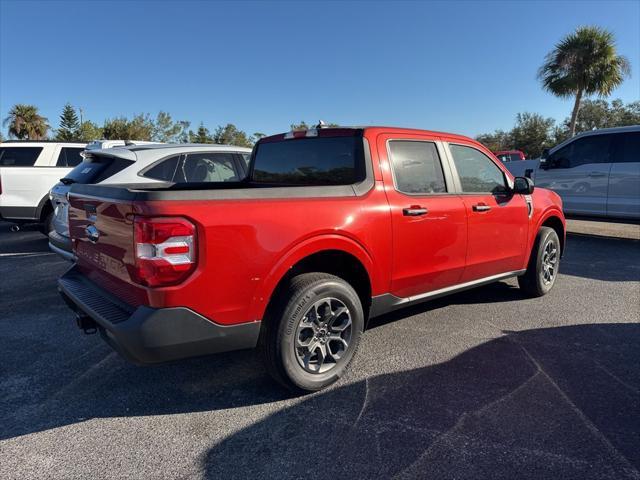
(128, 143)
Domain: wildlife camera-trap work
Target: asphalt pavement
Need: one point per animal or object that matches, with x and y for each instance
(482, 384)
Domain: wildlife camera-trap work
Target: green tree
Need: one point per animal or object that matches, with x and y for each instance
(202, 135)
(304, 126)
(595, 114)
(166, 130)
(584, 62)
(26, 123)
(140, 127)
(89, 131)
(257, 136)
(69, 125)
(299, 126)
(230, 135)
(532, 133)
(498, 140)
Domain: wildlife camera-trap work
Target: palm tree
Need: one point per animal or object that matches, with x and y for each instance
(585, 62)
(26, 123)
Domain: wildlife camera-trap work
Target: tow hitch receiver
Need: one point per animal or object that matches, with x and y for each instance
(85, 323)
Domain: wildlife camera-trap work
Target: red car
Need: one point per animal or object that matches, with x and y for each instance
(510, 155)
(331, 227)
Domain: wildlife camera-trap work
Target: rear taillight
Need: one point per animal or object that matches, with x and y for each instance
(165, 250)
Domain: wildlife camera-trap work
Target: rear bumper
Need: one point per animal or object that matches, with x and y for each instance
(61, 245)
(147, 335)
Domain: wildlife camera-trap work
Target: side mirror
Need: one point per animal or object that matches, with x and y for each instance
(523, 185)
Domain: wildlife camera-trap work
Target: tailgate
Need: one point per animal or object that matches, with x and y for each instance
(101, 229)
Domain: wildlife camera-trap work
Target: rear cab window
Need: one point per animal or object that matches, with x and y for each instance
(19, 156)
(309, 161)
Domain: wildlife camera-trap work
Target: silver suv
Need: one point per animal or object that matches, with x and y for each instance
(596, 173)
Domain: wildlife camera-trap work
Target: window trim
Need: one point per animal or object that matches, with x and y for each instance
(447, 180)
(508, 180)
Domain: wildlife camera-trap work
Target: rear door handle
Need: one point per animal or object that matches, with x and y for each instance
(481, 208)
(414, 211)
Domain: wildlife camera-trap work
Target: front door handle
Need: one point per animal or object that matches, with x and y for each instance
(414, 211)
(597, 174)
(481, 208)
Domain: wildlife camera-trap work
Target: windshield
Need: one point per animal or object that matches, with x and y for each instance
(310, 161)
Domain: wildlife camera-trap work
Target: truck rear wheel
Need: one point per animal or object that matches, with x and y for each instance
(542, 270)
(312, 331)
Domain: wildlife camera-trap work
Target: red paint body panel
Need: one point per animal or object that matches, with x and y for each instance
(245, 246)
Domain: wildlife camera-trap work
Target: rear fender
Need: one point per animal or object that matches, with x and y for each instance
(299, 252)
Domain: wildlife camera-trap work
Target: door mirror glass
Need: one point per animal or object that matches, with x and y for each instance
(523, 185)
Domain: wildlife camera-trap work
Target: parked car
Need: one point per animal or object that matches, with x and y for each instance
(143, 162)
(331, 227)
(596, 173)
(510, 155)
(28, 169)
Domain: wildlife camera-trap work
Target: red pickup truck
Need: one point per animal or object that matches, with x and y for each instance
(331, 227)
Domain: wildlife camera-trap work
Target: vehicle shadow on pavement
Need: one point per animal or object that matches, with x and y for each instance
(543, 403)
(600, 258)
(28, 240)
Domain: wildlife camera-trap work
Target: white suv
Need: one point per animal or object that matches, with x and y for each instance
(28, 170)
(144, 164)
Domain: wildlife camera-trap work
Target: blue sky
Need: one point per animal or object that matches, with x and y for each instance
(464, 67)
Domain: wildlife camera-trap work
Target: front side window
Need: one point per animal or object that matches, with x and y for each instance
(583, 151)
(310, 161)
(19, 156)
(69, 157)
(416, 167)
(478, 173)
(206, 167)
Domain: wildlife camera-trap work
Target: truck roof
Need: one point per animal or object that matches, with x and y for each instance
(135, 152)
(343, 130)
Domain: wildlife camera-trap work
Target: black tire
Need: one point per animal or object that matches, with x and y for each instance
(283, 324)
(535, 282)
(47, 225)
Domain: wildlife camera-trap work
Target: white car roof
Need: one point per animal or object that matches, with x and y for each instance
(151, 153)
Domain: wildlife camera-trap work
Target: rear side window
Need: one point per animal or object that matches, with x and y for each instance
(207, 167)
(310, 161)
(96, 169)
(478, 173)
(628, 148)
(69, 157)
(164, 170)
(19, 156)
(416, 167)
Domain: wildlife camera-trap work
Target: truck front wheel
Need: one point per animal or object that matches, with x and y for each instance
(542, 270)
(312, 331)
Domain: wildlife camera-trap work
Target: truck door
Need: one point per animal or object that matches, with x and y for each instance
(623, 199)
(428, 220)
(498, 221)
